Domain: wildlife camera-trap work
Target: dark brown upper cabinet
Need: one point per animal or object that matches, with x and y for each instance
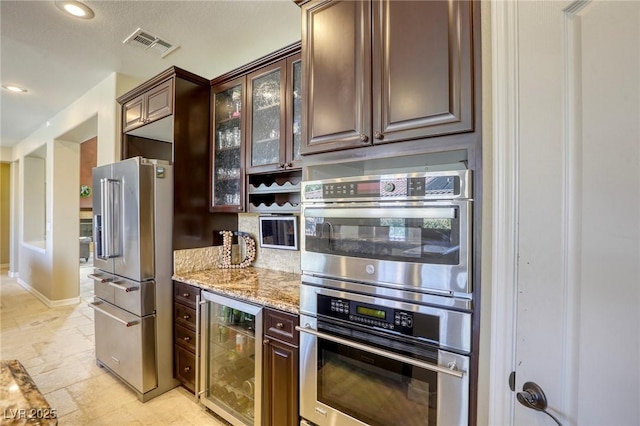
(384, 71)
(175, 126)
(227, 159)
(256, 135)
(154, 104)
(274, 117)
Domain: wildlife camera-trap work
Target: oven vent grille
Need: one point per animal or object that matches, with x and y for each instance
(148, 41)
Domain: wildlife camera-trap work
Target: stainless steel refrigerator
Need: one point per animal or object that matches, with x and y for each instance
(132, 216)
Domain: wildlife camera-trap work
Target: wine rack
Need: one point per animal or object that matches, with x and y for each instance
(274, 193)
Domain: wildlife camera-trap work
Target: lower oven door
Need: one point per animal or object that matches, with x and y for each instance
(346, 380)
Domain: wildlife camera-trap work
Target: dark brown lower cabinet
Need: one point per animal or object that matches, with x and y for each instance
(280, 369)
(184, 333)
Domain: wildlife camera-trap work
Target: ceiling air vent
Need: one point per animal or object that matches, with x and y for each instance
(148, 41)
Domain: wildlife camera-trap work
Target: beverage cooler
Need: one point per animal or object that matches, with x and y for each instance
(231, 359)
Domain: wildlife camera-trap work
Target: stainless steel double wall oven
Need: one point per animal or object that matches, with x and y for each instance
(386, 301)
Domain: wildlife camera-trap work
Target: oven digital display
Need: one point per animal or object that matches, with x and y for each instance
(369, 188)
(370, 312)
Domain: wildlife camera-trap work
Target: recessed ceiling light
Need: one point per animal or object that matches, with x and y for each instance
(12, 88)
(75, 8)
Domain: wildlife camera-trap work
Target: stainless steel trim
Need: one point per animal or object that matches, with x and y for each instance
(405, 210)
(464, 175)
(307, 329)
(99, 279)
(122, 287)
(454, 326)
(440, 299)
(94, 306)
(197, 354)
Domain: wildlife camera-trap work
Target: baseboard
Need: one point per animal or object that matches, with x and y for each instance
(45, 300)
(12, 274)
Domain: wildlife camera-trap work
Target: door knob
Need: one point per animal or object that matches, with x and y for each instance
(533, 397)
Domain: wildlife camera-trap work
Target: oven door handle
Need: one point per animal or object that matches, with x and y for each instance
(438, 369)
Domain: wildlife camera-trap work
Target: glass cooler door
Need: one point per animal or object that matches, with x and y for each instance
(231, 359)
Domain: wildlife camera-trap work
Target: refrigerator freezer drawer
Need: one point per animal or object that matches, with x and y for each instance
(135, 297)
(125, 344)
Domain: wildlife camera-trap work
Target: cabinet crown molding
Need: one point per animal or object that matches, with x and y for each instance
(164, 75)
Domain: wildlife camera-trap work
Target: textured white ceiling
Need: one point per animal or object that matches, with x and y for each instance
(58, 58)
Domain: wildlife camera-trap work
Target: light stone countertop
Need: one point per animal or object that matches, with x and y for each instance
(22, 402)
(274, 289)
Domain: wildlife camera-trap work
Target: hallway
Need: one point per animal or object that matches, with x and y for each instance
(56, 346)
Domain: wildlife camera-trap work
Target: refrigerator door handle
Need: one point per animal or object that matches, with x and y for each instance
(98, 279)
(94, 306)
(110, 200)
(124, 288)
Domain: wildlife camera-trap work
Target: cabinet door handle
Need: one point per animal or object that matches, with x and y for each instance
(186, 317)
(186, 369)
(364, 138)
(378, 135)
(186, 338)
(266, 341)
(279, 325)
(289, 165)
(282, 165)
(185, 294)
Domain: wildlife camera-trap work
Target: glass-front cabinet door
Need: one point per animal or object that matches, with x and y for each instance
(294, 112)
(266, 118)
(227, 180)
(231, 359)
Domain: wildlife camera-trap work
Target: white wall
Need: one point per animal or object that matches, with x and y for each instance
(35, 178)
(52, 273)
(5, 213)
(6, 154)
(65, 231)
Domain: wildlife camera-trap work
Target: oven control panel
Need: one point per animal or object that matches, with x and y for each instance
(417, 186)
(381, 317)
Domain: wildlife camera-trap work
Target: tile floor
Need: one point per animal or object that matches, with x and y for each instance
(56, 347)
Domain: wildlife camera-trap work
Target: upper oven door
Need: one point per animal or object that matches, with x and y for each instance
(420, 246)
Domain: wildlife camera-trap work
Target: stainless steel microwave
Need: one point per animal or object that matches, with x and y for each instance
(279, 232)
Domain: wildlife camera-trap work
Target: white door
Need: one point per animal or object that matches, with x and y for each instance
(571, 150)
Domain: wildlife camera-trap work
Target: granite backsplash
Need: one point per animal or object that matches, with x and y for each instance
(277, 260)
(199, 259)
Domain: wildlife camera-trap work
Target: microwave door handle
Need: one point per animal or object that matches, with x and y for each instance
(438, 369)
(330, 239)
